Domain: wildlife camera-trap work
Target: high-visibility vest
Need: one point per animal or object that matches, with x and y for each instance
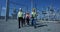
(33, 14)
(20, 14)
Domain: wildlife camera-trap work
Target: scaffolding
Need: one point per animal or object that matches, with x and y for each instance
(50, 12)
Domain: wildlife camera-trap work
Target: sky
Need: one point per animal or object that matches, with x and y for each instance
(27, 3)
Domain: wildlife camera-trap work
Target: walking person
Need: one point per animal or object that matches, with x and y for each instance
(24, 19)
(20, 18)
(33, 13)
(27, 18)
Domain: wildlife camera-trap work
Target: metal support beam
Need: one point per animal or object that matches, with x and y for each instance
(0, 9)
(7, 10)
(31, 4)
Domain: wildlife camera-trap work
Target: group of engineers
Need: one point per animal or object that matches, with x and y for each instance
(23, 20)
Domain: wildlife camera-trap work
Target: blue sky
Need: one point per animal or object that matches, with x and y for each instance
(39, 5)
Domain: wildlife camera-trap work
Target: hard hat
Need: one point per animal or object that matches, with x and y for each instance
(20, 8)
(34, 9)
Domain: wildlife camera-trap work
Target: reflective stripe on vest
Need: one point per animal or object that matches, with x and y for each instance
(20, 14)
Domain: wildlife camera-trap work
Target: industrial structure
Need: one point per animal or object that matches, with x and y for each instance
(48, 14)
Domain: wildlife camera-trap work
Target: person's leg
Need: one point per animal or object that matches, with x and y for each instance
(19, 21)
(23, 21)
(28, 21)
(32, 21)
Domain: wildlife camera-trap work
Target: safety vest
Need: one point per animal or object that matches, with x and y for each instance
(33, 14)
(20, 14)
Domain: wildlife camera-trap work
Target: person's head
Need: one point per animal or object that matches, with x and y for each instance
(20, 9)
(33, 10)
(27, 13)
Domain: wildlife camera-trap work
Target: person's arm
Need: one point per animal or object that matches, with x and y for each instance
(31, 14)
(35, 14)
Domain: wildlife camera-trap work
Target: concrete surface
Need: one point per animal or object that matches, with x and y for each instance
(12, 26)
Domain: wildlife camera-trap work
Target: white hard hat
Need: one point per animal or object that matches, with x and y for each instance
(20, 8)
